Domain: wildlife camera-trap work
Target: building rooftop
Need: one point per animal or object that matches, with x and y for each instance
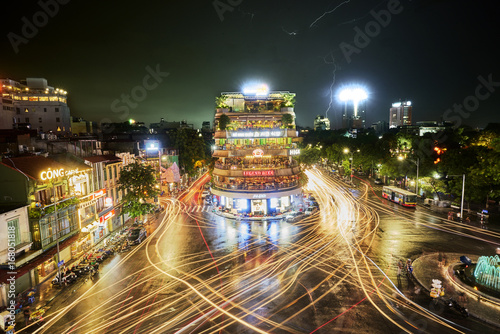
(32, 166)
(103, 158)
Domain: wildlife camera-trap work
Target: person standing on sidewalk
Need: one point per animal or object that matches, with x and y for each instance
(26, 313)
(400, 267)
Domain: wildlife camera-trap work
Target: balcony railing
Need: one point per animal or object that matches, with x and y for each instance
(256, 187)
(255, 166)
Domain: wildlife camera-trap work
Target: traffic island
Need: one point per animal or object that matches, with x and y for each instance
(480, 305)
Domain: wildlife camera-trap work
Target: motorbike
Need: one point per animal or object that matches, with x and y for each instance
(454, 304)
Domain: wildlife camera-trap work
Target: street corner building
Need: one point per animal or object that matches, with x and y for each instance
(255, 173)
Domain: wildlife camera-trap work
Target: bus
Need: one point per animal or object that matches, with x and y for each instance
(400, 196)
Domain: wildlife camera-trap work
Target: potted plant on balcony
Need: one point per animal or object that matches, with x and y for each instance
(287, 121)
(220, 102)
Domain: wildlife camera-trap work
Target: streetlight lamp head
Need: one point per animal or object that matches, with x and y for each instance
(346, 150)
(401, 158)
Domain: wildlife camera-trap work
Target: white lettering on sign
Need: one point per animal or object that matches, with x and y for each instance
(295, 151)
(256, 134)
(50, 174)
(259, 196)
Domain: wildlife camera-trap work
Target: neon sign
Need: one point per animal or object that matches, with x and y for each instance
(258, 173)
(107, 216)
(295, 151)
(257, 134)
(50, 174)
(258, 153)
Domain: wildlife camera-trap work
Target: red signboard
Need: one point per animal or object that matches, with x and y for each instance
(98, 194)
(258, 173)
(107, 216)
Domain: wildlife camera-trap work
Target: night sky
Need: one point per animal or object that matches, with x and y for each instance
(431, 52)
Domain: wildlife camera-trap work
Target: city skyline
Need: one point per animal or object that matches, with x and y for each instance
(173, 60)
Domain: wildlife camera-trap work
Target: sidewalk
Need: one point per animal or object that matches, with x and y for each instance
(481, 306)
(46, 293)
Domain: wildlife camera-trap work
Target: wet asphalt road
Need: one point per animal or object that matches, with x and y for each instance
(133, 296)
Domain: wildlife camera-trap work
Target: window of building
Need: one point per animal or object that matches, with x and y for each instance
(57, 109)
(19, 120)
(25, 98)
(43, 99)
(105, 174)
(116, 175)
(39, 120)
(33, 98)
(26, 110)
(13, 228)
(53, 98)
(27, 119)
(44, 109)
(18, 111)
(58, 119)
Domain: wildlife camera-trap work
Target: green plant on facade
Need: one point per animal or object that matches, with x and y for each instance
(220, 101)
(287, 120)
(288, 100)
(36, 213)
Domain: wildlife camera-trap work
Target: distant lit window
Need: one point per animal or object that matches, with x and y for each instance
(26, 109)
(58, 128)
(53, 98)
(25, 98)
(33, 98)
(43, 99)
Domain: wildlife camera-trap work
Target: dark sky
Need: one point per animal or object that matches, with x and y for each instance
(431, 52)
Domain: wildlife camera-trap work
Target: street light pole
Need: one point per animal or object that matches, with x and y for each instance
(57, 235)
(463, 193)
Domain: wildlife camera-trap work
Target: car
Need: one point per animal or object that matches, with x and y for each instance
(310, 210)
(378, 181)
(205, 193)
(137, 235)
(294, 216)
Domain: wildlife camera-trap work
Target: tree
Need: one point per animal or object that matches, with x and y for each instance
(138, 183)
(224, 120)
(287, 120)
(191, 148)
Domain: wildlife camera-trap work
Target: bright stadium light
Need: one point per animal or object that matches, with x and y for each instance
(355, 95)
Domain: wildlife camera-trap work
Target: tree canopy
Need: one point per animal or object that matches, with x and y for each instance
(138, 184)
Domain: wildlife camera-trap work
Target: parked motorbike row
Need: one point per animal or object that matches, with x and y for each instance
(88, 265)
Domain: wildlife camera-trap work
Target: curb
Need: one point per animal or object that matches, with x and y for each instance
(450, 268)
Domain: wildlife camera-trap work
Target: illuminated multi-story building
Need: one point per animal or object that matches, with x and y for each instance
(321, 123)
(400, 114)
(34, 104)
(256, 173)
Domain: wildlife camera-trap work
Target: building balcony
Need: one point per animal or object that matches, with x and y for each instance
(249, 187)
(240, 172)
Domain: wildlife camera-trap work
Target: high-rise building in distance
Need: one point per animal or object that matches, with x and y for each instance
(321, 123)
(400, 114)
